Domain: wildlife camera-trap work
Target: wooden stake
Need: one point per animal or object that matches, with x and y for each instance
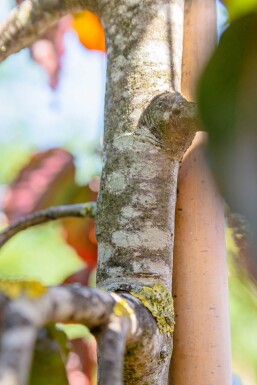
(200, 287)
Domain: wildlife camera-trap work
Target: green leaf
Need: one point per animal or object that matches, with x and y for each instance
(238, 8)
(227, 96)
(50, 353)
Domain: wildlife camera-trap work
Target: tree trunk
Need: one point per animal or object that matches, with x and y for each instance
(201, 337)
(138, 186)
(147, 130)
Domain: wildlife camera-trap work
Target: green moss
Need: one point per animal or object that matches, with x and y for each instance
(159, 302)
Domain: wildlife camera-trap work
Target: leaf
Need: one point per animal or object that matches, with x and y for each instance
(239, 237)
(89, 30)
(227, 96)
(48, 50)
(238, 8)
(50, 354)
(85, 352)
(48, 179)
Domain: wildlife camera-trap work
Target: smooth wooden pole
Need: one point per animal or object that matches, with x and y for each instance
(201, 353)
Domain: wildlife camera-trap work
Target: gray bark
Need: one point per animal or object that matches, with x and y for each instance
(147, 129)
(148, 126)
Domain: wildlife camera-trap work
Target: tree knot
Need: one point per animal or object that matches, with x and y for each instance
(171, 122)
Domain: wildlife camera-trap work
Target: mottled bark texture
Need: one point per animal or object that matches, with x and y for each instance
(148, 126)
(141, 154)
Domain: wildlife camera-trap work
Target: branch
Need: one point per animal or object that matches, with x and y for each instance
(112, 347)
(81, 210)
(120, 321)
(31, 18)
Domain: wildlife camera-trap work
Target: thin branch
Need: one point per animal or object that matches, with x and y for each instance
(81, 210)
(112, 347)
(31, 18)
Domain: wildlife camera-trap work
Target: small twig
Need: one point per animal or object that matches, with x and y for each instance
(81, 210)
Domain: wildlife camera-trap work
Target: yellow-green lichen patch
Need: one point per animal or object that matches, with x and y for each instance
(159, 302)
(18, 288)
(121, 307)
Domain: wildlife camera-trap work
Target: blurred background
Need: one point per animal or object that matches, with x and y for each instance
(52, 98)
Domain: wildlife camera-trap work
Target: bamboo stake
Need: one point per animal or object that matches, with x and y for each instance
(200, 287)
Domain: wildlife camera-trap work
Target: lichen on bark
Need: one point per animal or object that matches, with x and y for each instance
(159, 302)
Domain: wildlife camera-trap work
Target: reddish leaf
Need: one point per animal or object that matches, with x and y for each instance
(48, 50)
(80, 234)
(44, 181)
(82, 362)
(82, 276)
(48, 180)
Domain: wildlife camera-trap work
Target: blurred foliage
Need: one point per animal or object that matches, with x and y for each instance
(243, 315)
(39, 253)
(89, 30)
(49, 253)
(48, 50)
(227, 96)
(238, 8)
(11, 160)
(48, 179)
(73, 331)
(50, 355)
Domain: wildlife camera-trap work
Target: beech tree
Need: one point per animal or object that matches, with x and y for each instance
(149, 125)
